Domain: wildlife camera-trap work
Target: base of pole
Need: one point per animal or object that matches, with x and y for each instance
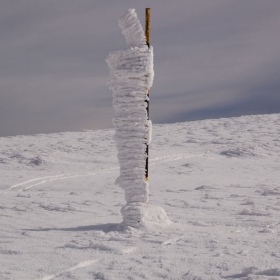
(142, 215)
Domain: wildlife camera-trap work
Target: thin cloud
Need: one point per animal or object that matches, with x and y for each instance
(211, 58)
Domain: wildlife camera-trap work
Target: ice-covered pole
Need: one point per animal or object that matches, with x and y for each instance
(131, 75)
(147, 34)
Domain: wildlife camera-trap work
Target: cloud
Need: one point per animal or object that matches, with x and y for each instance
(211, 58)
(256, 93)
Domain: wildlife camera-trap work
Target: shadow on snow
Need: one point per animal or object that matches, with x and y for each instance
(102, 227)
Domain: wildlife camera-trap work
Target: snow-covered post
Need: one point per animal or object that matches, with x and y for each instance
(131, 74)
(147, 35)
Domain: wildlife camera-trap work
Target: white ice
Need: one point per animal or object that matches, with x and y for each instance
(131, 75)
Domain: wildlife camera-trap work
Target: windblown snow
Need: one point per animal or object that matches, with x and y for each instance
(218, 180)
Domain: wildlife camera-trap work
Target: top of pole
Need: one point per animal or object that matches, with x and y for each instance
(148, 26)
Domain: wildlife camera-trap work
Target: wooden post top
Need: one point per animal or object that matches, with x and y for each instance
(148, 26)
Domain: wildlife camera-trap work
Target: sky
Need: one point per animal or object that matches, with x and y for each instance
(213, 59)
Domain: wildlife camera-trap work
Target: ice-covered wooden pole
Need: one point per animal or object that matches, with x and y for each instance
(147, 35)
(131, 74)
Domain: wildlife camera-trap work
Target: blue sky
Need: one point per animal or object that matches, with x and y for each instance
(213, 59)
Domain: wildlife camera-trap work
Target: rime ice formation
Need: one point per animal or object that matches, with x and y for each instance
(132, 29)
(131, 74)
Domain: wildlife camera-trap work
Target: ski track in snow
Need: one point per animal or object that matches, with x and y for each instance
(43, 180)
(70, 269)
(159, 160)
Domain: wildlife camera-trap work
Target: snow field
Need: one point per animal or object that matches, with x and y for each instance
(218, 181)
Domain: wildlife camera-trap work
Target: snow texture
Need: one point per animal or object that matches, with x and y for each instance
(131, 75)
(145, 215)
(60, 219)
(132, 29)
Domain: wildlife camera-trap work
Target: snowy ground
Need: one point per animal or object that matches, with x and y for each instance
(218, 180)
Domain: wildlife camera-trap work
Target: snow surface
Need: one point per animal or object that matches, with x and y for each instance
(218, 181)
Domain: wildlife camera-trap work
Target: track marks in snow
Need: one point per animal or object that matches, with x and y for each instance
(170, 158)
(42, 180)
(101, 247)
(59, 178)
(70, 269)
(24, 186)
